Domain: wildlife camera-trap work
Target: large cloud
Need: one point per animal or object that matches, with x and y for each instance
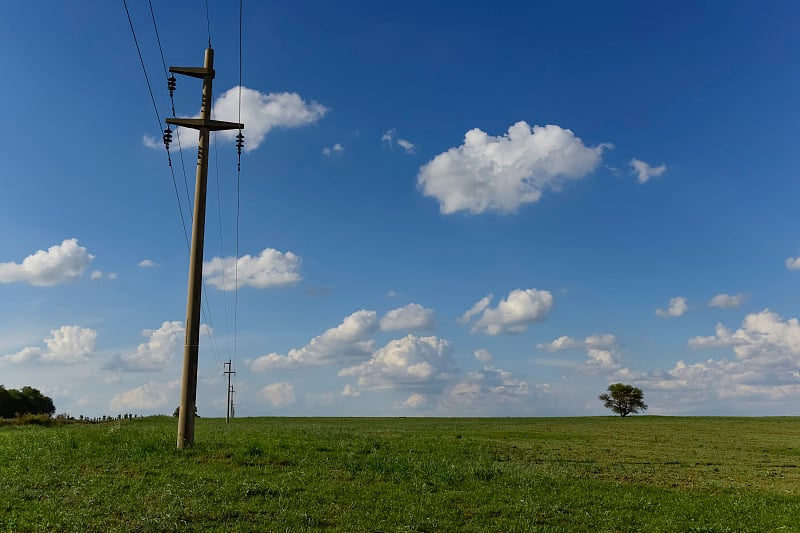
(67, 345)
(261, 112)
(60, 263)
(411, 362)
(347, 341)
(279, 394)
(410, 317)
(501, 173)
(512, 315)
(727, 301)
(766, 363)
(270, 269)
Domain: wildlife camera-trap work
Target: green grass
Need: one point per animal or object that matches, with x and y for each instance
(404, 475)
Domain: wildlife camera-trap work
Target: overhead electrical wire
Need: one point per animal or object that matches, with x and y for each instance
(158, 118)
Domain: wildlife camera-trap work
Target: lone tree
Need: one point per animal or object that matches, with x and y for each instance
(624, 399)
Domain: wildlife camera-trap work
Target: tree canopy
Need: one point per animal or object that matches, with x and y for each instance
(28, 400)
(624, 399)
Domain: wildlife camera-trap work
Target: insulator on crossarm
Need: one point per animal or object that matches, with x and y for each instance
(167, 137)
(239, 143)
(171, 84)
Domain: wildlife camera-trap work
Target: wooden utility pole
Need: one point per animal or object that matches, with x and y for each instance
(205, 126)
(229, 404)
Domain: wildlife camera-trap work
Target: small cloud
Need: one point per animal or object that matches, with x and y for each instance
(677, 307)
(726, 301)
(410, 317)
(406, 145)
(483, 355)
(415, 401)
(271, 268)
(560, 344)
(59, 264)
(350, 391)
(793, 263)
(279, 394)
(96, 274)
(331, 150)
(147, 263)
(476, 309)
(644, 171)
(390, 139)
(513, 314)
(391, 294)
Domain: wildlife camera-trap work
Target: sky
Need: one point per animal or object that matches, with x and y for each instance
(443, 209)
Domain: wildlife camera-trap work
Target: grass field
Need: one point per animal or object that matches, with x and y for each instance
(349, 474)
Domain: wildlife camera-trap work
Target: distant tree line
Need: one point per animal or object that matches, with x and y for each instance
(27, 400)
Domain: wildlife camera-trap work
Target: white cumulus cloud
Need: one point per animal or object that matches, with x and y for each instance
(59, 264)
(271, 268)
(410, 317)
(601, 351)
(347, 341)
(793, 263)
(677, 307)
(411, 362)
(513, 315)
(279, 394)
(261, 112)
(765, 366)
(161, 346)
(489, 173)
(416, 401)
(727, 301)
(67, 345)
(560, 344)
(147, 263)
(644, 171)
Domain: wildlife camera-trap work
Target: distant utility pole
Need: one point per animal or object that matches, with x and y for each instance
(229, 405)
(205, 126)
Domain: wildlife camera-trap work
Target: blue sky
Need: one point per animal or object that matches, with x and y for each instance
(445, 209)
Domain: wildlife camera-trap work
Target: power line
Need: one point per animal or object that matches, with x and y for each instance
(158, 118)
(208, 25)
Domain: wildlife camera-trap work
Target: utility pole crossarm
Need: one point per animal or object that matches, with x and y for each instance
(210, 125)
(194, 72)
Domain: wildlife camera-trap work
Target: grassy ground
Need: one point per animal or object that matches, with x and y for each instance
(284, 474)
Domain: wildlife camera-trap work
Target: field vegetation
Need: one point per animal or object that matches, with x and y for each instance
(404, 475)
